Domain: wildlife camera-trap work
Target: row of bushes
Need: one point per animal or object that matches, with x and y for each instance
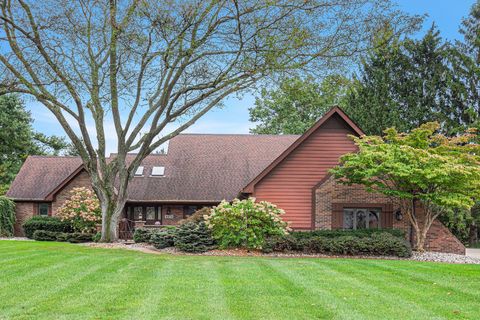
(74, 237)
(359, 233)
(377, 243)
(188, 237)
(45, 223)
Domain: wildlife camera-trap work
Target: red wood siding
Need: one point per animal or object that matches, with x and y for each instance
(289, 185)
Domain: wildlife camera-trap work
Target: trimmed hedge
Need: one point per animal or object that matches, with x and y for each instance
(75, 237)
(360, 233)
(45, 223)
(379, 244)
(144, 235)
(163, 238)
(194, 237)
(42, 235)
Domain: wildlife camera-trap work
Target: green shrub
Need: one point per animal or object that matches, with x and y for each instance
(245, 223)
(163, 238)
(77, 237)
(7, 217)
(194, 237)
(360, 233)
(197, 216)
(380, 244)
(143, 235)
(63, 236)
(97, 237)
(45, 223)
(42, 235)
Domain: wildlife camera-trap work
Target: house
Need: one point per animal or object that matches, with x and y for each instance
(202, 169)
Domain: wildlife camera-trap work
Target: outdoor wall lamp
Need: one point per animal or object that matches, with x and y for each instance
(398, 215)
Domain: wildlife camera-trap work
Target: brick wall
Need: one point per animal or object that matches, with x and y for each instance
(172, 217)
(23, 212)
(81, 180)
(329, 193)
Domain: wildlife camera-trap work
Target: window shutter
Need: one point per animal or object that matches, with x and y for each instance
(337, 216)
(387, 216)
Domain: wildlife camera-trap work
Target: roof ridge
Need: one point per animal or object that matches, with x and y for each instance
(53, 156)
(239, 134)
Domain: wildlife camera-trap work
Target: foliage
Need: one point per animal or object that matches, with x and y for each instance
(45, 223)
(97, 237)
(7, 217)
(197, 216)
(359, 233)
(380, 244)
(82, 210)
(143, 235)
(423, 166)
(297, 104)
(245, 223)
(43, 235)
(409, 80)
(19, 140)
(164, 238)
(194, 237)
(79, 237)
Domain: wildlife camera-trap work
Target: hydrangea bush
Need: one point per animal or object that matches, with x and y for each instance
(82, 210)
(245, 223)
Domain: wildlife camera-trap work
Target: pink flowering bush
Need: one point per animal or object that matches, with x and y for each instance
(82, 210)
(245, 223)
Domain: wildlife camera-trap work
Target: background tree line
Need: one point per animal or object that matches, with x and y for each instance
(402, 82)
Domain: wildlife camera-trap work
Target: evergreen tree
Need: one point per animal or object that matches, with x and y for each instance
(403, 83)
(18, 139)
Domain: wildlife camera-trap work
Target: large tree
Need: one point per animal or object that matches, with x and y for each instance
(18, 139)
(144, 64)
(404, 83)
(297, 104)
(422, 167)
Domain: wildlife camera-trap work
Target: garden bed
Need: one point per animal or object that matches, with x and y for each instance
(417, 256)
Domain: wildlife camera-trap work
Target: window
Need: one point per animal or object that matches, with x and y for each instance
(150, 213)
(137, 213)
(43, 209)
(158, 171)
(361, 218)
(189, 210)
(139, 171)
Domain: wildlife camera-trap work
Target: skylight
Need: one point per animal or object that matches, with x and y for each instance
(139, 171)
(158, 171)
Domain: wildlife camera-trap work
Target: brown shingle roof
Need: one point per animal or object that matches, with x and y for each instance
(198, 167)
(40, 175)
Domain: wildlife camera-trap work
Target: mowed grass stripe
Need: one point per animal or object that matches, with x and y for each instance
(379, 293)
(65, 279)
(253, 290)
(148, 304)
(438, 302)
(315, 279)
(188, 292)
(106, 295)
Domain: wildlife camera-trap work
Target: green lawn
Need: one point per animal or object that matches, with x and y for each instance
(64, 281)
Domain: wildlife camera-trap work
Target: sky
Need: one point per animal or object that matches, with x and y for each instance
(233, 116)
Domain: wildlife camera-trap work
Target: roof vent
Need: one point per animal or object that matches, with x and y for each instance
(158, 171)
(139, 171)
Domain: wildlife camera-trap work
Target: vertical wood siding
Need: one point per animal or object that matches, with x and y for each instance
(289, 185)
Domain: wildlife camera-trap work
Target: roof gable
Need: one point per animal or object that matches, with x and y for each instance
(334, 112)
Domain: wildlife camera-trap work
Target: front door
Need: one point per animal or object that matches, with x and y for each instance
(149, 213)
